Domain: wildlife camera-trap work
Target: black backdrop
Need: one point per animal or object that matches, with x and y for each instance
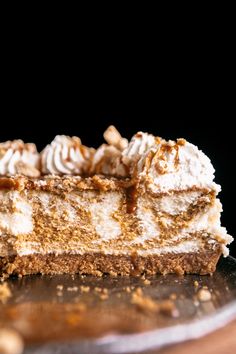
(214, 135)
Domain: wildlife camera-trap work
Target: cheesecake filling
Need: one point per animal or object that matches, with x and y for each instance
(90, 221)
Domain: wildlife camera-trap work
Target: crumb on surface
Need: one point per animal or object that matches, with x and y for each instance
(10, 342)
(5, 292)
(59, 287)
(204, 295)
(103, 296)
(144, 303)
(97, 289)
(173, 296)
(84, 289)
(127, 289)
(167, 307)
(196, 284)
(147, 304)
(146, 282)
(72, 288)
(102, 292)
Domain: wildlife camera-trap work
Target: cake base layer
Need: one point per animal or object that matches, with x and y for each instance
(97, 264)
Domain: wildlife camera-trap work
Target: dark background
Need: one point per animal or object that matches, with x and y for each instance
(203, 120)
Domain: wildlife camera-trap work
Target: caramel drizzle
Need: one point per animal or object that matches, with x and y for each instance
(131, 198)
(160, 158)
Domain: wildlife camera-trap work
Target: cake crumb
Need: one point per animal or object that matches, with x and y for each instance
(138, 291)
(173, 296)
(59, 287)
(146, 282)
(167, 307)
(10, 342)
(84, 289)
(72, 288)
(196, 284)
(128, 289)
(103, 296)
(60, 290)
(204, 295)
(5, 292)
(146, 304)
(74, 318)
(97, 289)
(102, 292)
(113, 137)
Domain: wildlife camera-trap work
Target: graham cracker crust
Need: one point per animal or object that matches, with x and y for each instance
(98, 264)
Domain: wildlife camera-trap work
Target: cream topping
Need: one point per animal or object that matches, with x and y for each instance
(107, 158)
(65, 156)
(107, 161)
(162, 165)
(167, 165)
(16, 157)
(139, 145)
(174, 166)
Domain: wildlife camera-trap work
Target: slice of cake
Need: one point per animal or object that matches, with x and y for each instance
(127, 208)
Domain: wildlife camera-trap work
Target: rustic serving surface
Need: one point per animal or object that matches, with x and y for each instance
(74, 314)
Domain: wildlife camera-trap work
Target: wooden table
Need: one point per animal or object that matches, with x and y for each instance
(222, 341)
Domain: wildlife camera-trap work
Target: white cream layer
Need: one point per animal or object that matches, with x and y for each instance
(185, 247)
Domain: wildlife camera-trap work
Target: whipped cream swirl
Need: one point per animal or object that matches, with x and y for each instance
(107, 161)
(66, 155)
(119, 158)
(139, 145)
(161, 165)
(176, 165)
(16, 157)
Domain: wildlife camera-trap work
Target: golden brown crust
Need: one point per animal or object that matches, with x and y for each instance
(97, 264)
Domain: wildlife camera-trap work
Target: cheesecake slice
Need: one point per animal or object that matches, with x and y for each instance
(128, 208)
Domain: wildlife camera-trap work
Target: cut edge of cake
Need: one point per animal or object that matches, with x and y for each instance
(144, 206)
